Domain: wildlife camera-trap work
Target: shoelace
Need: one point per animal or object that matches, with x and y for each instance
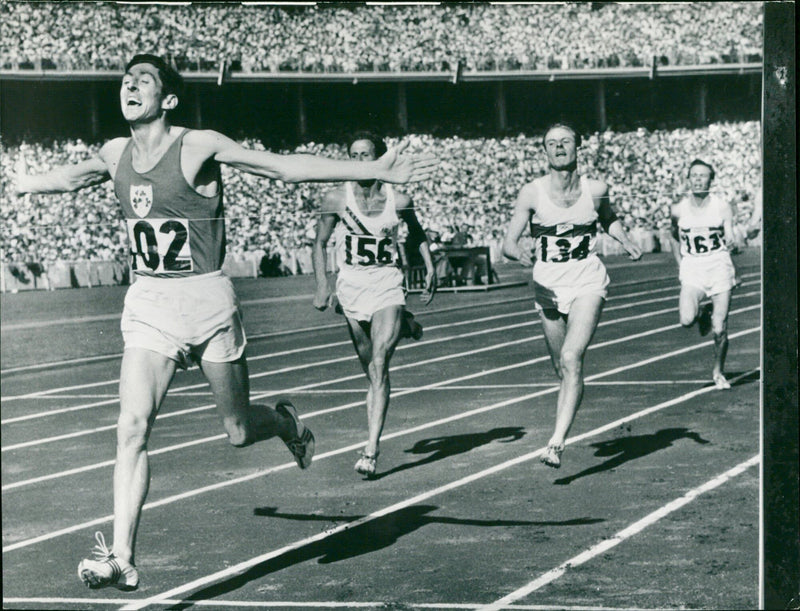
(298, 443)
(100, 550)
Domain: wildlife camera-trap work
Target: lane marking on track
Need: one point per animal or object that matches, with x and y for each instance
(290, 391)
(624, 534)
(359, 389)
(250, 563)
(286, 298)
(357, 446)
(330, 410)
(350, 357)
(50, 603)
(347, 342)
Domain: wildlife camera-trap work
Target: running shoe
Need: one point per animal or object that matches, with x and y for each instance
(410, 327)
(552, 455)
(106, 570)
(302, 444)
(367, 464)
(721, 382)
(704, 320)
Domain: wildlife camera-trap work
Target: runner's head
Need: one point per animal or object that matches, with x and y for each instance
(561, 142)
(150, 87)
(365, 146)
(701, 175)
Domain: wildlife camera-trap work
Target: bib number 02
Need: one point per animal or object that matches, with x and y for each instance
(160, 245)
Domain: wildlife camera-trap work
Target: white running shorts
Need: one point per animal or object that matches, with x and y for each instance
(191, 318)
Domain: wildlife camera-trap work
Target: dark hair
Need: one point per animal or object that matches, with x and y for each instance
(171, 81)
(377, 143)
(701, 162)
(565, 125)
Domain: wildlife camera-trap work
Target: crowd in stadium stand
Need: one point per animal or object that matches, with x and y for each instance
(472, 193)
(336, 38)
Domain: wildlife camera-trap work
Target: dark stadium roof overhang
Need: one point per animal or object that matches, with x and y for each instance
(644, 72)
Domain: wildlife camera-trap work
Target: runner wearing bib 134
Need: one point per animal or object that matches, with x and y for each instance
(564, 245)
(562, 210)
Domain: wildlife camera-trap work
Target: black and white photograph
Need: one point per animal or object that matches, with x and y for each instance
(418, 305)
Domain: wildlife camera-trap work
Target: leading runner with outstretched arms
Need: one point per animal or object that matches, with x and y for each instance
(182, 307)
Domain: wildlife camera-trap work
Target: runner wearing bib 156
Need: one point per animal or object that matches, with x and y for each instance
(363, 218)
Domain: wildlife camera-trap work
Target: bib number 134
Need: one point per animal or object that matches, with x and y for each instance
(160, 245)
(564, 249)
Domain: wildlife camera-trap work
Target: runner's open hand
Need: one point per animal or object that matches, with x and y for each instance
(430, 288)
(397, 168)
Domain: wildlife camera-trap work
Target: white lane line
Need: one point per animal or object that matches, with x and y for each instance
(284, 353)
(347, 342)
(89, 359)
(355, 403)
(538, 384)
(248, 302)
(353, 447)
(51, 603)
(329, 361)
(321, 347)
(624, 534)
(247, 564)
(288, 391)
(359, 389)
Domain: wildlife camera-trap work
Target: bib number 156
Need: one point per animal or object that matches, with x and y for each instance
(368, 250)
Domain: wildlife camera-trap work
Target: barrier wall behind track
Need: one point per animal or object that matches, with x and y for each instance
(53, 275)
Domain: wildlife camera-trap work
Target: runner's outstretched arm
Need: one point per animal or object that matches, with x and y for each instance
(300, 167)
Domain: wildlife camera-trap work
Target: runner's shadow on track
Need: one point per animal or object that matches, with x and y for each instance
(444, 447)
(630, 448)
(361, 539)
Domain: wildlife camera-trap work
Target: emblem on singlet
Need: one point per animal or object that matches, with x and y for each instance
(141, 199)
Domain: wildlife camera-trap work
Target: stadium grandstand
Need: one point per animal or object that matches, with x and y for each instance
(695, 65)
(332, 38)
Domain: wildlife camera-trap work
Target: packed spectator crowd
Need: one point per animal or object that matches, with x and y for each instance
(472, 193)
(342, 38)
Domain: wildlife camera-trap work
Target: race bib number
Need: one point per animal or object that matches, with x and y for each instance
(558, 250)
(160, 245)
(702, 240)
(368, 250)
